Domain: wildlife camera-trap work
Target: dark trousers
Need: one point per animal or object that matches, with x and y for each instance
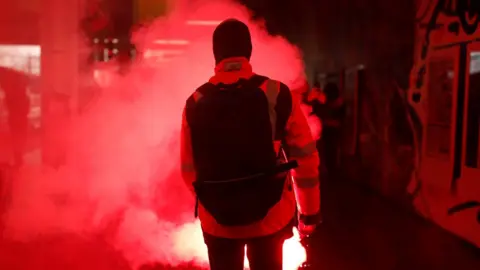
(263, 253)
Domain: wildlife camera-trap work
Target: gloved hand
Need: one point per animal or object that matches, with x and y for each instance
(308, 224)
(306, 230)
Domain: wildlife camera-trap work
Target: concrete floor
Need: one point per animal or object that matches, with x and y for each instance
(360, 232)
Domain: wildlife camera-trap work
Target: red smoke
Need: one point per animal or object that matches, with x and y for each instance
(121, 179)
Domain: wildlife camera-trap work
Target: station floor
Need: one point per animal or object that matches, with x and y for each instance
(360, 232)
(363, 232)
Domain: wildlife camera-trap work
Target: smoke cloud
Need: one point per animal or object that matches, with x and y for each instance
(120, 191)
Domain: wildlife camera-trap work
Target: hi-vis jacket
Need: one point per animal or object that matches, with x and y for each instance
(300, 145)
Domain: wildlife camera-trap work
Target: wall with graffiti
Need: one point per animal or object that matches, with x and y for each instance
(417, 142)
(444, 93)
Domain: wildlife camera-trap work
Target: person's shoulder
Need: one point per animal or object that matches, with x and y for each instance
(285, 96)
(204, 86)
(282, 86)
(198, 91)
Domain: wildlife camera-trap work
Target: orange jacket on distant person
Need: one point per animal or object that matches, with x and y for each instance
(301, 147)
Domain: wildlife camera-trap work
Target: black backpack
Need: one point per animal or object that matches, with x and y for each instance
(238, 172)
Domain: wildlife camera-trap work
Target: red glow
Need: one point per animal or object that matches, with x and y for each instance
(189, 242)
(122, 175)
(171, 42)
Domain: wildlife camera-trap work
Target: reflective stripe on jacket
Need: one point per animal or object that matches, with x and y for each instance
(299, 146)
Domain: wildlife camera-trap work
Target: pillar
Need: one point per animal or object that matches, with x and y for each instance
(60, 52)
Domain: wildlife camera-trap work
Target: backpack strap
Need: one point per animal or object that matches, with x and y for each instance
(271, 91)
(256, 81)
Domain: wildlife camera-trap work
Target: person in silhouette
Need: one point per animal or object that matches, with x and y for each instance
(234, 129)
(332, 114)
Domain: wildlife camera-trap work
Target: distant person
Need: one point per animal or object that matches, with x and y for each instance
(301, 91)
(316, 100)
(15, 84)
(232, 133)
(332, 114)
(316, 95)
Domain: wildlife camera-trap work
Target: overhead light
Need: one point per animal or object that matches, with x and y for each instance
(160, 53)
(171, 42)
(203, 22)
(23, 50)
(164, 52)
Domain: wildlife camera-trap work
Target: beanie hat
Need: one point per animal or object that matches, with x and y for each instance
(231, 38)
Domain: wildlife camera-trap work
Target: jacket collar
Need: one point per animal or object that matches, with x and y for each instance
(230, 70)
